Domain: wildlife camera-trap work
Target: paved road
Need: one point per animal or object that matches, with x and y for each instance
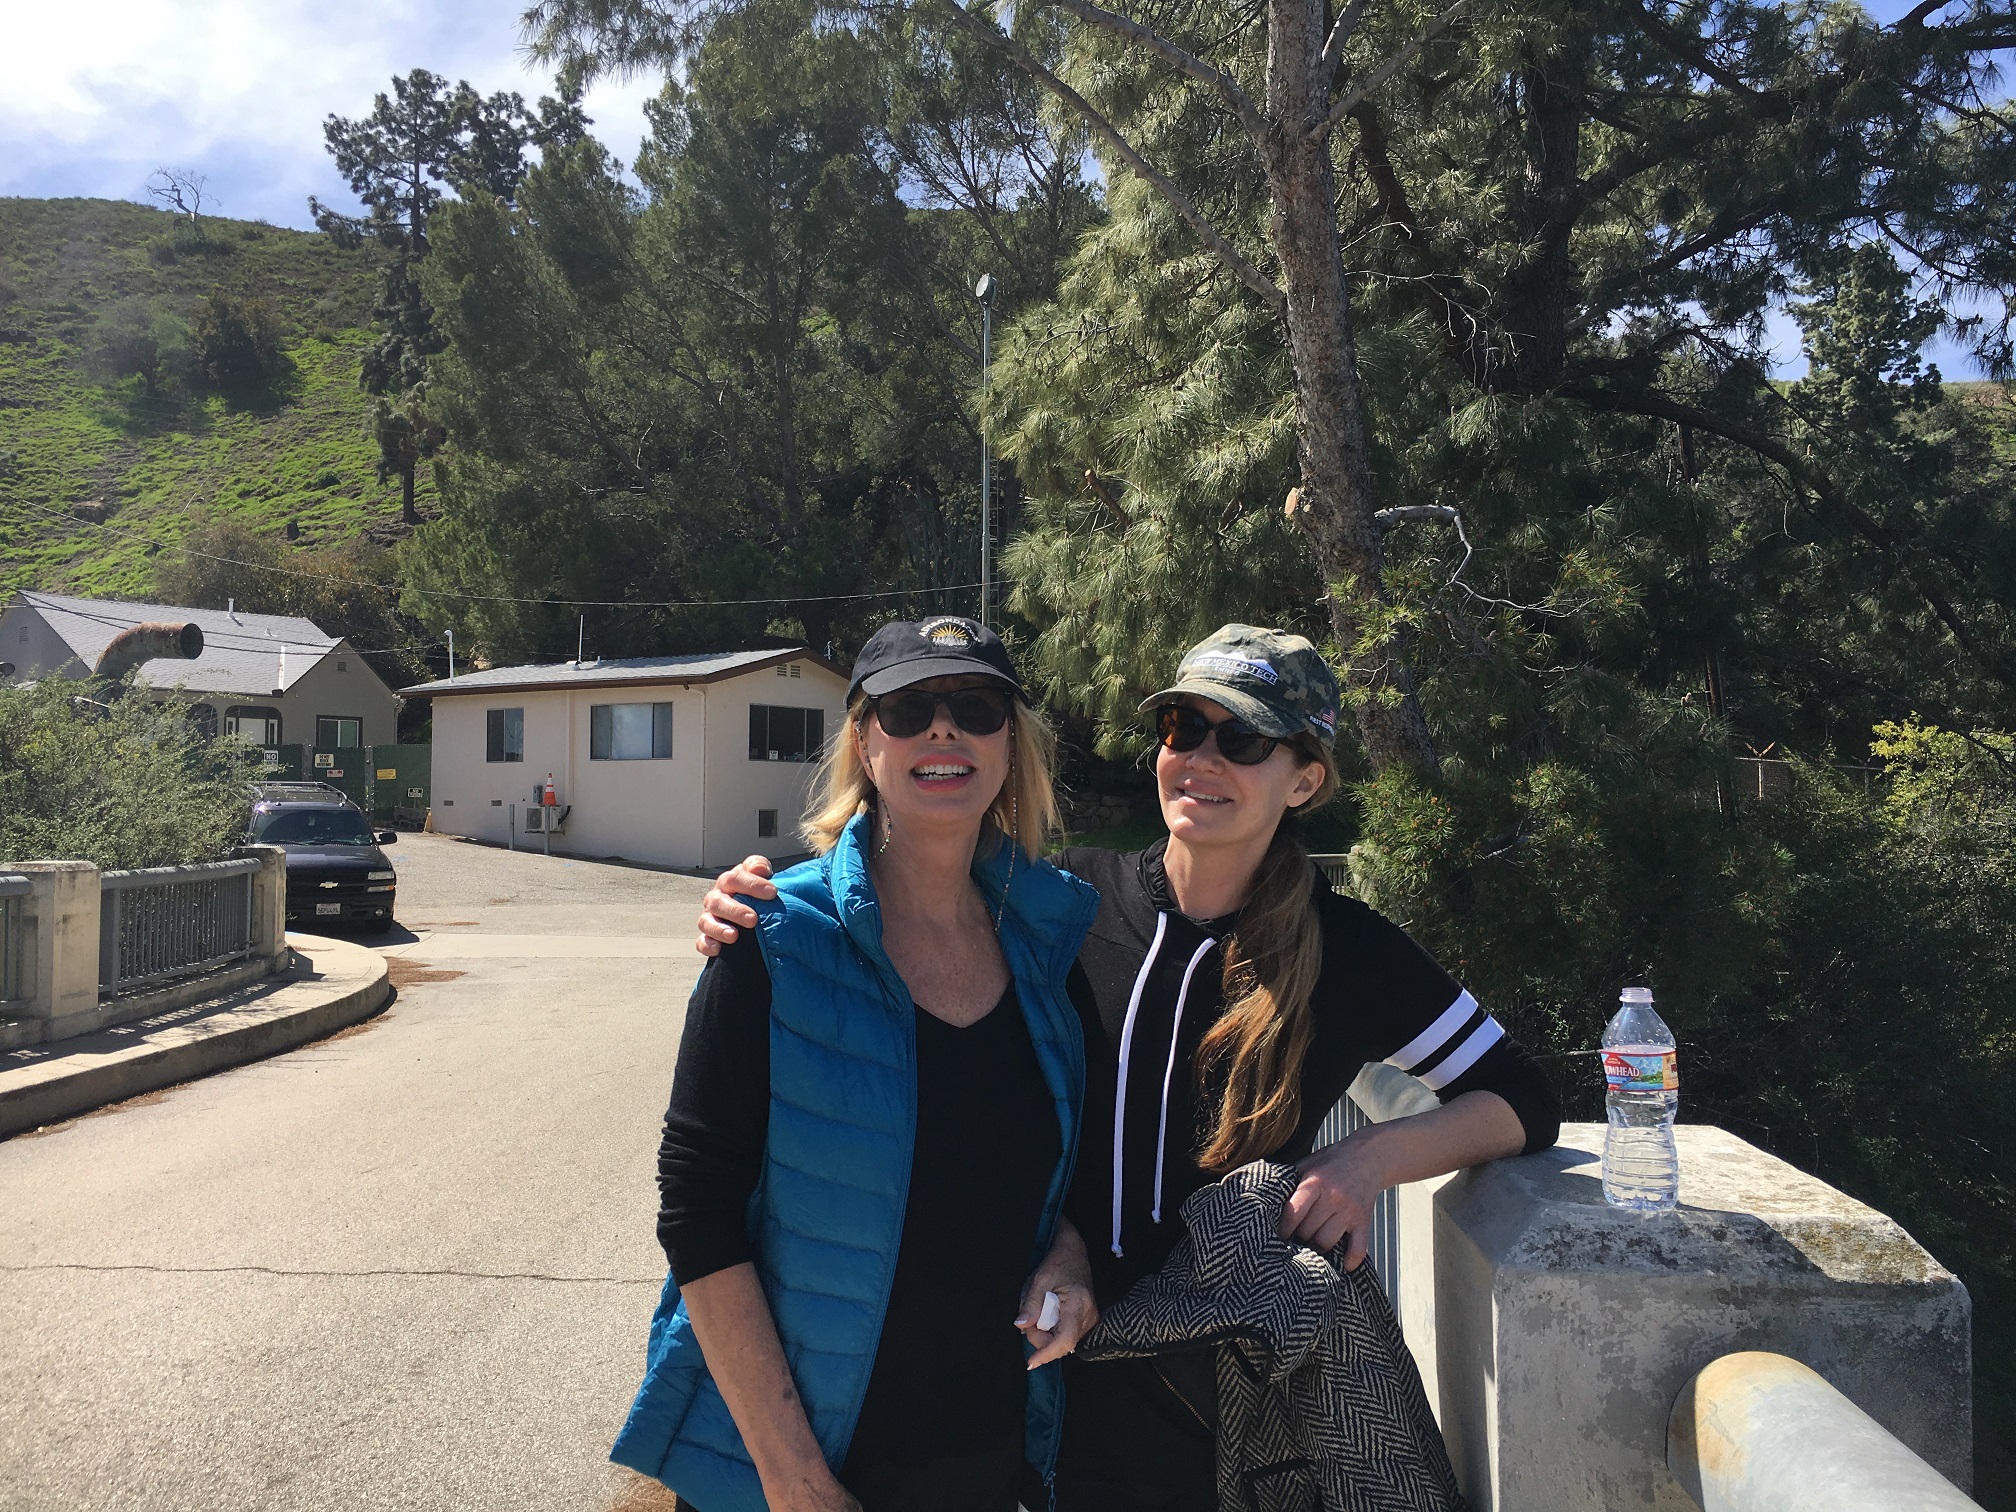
(407, 1267)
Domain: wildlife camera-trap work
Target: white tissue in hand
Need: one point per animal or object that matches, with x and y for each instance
(1047, 1319)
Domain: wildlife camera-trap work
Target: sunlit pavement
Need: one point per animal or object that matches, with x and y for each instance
(407, 1267)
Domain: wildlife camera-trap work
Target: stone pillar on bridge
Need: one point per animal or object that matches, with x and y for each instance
(1562, 1330)
(269, 905)
(59, 944)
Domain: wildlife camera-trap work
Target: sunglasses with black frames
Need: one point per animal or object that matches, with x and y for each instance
(911, 711)
(1182, 728)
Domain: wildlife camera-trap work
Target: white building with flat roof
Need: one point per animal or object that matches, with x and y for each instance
(678, 761)
(275, 679)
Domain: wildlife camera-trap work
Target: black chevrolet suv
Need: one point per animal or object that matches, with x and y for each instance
(335, 872)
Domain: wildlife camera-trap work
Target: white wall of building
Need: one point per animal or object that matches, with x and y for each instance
(737, 787)
(473, 795)
(640, 810)
(697, 808)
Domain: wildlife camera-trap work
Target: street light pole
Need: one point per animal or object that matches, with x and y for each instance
(984, 292)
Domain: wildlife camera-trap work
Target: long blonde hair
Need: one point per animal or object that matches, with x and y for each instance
(1026, 806)
(1272, 959)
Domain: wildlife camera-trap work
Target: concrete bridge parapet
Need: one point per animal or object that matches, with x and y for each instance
(1556, 1332)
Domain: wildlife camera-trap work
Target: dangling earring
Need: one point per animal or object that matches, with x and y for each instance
(888, 824)
(1014, 797)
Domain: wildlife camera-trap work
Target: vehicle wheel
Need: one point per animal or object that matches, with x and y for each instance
(378, 926)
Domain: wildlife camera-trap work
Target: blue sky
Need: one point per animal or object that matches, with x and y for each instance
(97, 94)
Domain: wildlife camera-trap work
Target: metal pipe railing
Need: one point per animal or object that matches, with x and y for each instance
(1757, 1432)
(1336, 869)
(171, 921)
(1383, 1247)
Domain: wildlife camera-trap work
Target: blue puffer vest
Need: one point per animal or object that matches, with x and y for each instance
(827, 1214)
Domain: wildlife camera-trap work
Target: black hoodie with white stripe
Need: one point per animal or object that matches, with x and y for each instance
(1156, 976)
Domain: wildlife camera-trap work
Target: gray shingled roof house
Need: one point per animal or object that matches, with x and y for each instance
(273, 678)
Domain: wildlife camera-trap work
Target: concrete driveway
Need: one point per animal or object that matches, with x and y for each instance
(407, 1267)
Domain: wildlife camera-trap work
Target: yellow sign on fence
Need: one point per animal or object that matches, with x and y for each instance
(387, 774)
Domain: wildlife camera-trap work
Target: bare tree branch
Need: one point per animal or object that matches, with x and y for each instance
(183, 191)
(1447, 514)
(1133, 31)
(992, 35)
(1333, 49)
(1365, 86)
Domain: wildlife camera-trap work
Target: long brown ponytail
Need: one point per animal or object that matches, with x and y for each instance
(1253, 1055)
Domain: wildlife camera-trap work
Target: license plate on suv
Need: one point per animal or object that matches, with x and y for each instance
(328, 908)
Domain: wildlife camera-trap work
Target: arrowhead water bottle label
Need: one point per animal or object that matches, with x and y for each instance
(1642, 1070)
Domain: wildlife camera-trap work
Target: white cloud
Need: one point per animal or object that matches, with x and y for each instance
(95, 95)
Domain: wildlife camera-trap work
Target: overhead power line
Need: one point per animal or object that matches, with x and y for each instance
(507, 598)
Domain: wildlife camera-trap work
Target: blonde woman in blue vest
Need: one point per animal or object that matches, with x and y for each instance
(871, 1126)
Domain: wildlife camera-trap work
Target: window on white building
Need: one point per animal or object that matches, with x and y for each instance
(780, 734)
(335, 733)
(629, 732)
(259, 725)
(504, 735)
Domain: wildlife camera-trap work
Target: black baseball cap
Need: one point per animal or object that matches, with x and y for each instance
(904, 652)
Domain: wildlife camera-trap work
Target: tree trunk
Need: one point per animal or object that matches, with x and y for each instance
(407, 513)
(1541, 295)
(1336, 506)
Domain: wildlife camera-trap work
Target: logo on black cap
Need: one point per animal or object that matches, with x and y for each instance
(948, 633)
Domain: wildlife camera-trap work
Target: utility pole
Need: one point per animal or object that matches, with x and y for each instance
(984, 292)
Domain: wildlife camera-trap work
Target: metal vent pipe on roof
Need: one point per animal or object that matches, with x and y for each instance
(158, 639)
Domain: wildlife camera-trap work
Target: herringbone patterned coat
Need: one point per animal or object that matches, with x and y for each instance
(1320, 1408)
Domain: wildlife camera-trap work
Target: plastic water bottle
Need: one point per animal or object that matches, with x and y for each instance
(1641, 1164)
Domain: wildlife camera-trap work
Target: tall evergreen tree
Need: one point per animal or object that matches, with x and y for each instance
(420, 144)
(755, 377)
(1677, 136)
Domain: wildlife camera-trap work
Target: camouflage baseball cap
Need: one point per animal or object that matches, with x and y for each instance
(1271, 681)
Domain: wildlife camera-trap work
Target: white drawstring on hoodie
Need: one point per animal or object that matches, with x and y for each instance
(1175, 1037)
(1168, 1074)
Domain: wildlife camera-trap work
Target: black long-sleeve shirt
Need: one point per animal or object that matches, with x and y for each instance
(948, 1383)
(1156, 977)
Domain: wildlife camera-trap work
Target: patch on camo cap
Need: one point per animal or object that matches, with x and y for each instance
(1269, 680)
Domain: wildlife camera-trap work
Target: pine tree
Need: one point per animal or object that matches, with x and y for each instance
(1501, 169)
(757, 376)
(420, 144)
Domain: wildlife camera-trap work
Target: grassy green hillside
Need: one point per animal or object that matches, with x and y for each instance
(90, 453)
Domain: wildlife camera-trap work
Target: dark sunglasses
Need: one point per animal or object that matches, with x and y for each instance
(1182, 728)
(911, 711)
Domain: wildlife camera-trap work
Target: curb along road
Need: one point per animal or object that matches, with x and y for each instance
(332, 985)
